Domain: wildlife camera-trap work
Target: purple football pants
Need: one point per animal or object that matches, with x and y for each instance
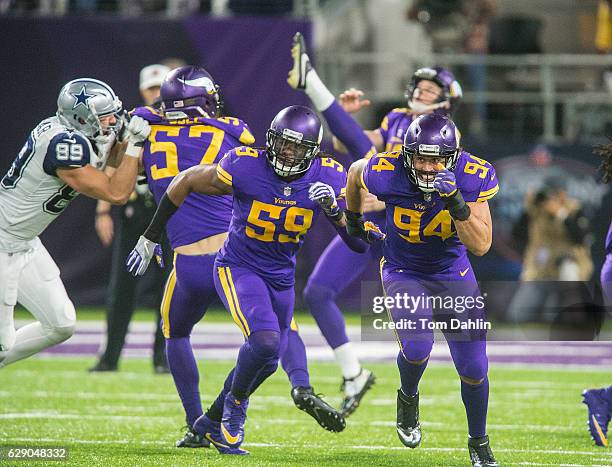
(260, 311)
(189, 291)
(467, 347)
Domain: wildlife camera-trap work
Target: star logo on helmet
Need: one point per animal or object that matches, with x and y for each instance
(81, 98)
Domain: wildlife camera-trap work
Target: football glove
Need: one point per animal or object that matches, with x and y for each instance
(137, 131)
(445, 183)
(323, 194)
(368, 231)
(139, 258)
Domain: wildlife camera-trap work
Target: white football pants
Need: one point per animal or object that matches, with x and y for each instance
(33, 279)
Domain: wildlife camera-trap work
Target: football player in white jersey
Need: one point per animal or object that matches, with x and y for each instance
(63, 156)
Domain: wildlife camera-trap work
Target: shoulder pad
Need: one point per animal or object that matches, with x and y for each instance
(67, 149)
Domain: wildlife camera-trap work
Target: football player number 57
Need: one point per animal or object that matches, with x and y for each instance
(296, 223)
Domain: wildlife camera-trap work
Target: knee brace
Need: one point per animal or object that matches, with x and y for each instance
(418, 350)
(266, 344)
(472, 369)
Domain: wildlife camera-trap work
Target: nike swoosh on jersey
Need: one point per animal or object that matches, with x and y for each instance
(463, 273)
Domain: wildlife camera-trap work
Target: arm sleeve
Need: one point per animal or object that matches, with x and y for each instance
(66, 149)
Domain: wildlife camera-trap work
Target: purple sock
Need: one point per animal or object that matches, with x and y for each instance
(259, 350)
(263, 374)
(186, 376)
(347, 130)
(410, 374)
(476, 400)
(293, 359)
(215, 411)
(320, 302)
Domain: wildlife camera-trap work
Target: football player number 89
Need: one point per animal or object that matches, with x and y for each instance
(65, 151)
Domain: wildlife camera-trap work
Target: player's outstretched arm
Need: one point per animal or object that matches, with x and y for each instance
(199, 179)
(351, 102)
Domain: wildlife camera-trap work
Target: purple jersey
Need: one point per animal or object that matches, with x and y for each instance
(271, 216)
(176, 145)
(393, 128)
(421, 234)
(609, 240)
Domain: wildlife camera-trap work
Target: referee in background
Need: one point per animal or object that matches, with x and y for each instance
(133, 220)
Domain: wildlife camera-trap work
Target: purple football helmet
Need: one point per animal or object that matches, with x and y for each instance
(448, 101)
(293, 140)
(429, 140)
(190, 92)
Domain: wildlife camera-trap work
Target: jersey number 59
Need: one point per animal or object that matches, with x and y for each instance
(296, 223)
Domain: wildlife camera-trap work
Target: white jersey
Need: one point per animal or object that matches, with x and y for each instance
(31, 193)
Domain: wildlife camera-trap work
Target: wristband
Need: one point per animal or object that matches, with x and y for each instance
(457, 207)
(133, 148)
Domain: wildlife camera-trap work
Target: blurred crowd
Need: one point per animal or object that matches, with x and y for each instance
(172, 8)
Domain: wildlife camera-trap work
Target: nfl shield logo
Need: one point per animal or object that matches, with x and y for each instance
(287, 191)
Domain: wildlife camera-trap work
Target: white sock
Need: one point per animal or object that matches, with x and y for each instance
(346, 358)
(320, 96)
(29, 339)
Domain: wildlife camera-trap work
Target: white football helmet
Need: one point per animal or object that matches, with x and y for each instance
(83, 102)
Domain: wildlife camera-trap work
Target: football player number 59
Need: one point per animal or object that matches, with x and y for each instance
(297, 222)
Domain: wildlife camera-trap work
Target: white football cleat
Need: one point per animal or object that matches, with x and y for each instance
(301, 63)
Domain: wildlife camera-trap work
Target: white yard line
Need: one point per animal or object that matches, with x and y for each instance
(323, 446)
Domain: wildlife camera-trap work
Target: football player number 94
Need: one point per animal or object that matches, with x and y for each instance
(478, 167)
(168, 150)
(296, 222)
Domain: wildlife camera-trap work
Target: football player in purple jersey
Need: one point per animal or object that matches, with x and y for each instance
(436, 207)
(277, 194)
(599, 401)
(430, 90)
(188, 124)
(188, 130)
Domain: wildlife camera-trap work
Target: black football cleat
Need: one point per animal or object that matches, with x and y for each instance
(480, 452)
(301, 63)
(192, 440)
(354, 389)
(161, 369)
(408, 427)
(102, 366)
(329, 418)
